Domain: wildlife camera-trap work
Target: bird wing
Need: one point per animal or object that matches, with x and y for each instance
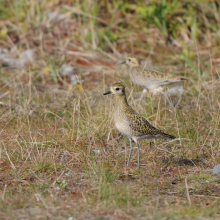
(152, 73)
(141, 125)
(158, 75)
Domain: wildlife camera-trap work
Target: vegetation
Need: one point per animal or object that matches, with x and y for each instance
(60, 154)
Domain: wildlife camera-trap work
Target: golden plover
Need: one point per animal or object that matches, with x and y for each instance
(150, 79)
(130, 124)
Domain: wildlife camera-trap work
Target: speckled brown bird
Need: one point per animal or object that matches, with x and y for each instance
(131, 124)
(149, 79)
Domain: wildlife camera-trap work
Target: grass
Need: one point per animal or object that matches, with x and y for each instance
(60, 154)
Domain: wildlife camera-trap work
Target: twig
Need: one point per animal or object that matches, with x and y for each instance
(187, 192)
(112, 46)
(13, 166)
(35, 173)
(3, 194)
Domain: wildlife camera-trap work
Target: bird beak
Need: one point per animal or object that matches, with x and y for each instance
(107, 93)
(124, 62)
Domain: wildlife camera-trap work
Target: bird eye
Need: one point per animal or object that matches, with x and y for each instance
(129, 59)
(117, 89)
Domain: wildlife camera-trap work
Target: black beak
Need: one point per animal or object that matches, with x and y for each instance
(107, 93)
(124, 62)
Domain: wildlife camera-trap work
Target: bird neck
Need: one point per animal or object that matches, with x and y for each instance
(137, 66)
(121, 101)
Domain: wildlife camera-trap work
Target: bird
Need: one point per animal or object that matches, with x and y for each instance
(130, 123)
(150, 79)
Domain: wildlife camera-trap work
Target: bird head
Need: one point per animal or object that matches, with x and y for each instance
(132, 61)
(116, 89)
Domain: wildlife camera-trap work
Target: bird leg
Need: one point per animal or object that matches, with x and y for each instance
(170, 103)
(131, 149)
(138, 155)
(180, 99)
(142, 95)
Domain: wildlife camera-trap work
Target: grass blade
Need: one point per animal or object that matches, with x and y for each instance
(190, 62)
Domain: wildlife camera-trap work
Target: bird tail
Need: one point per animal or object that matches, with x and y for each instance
(183, 79)
(168, 136)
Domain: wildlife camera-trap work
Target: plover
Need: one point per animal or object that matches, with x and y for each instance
(150, 79)
(130, 123)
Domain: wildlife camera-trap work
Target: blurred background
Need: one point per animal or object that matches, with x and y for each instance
(62, 38)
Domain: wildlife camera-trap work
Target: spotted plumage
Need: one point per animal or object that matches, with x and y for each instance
(149, 79)
(130, 123)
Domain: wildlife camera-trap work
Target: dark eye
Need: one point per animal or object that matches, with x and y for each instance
(129, 59)
(117, 89)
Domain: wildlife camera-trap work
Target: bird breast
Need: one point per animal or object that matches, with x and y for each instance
(150, 83)
(122, 123)
(145, 82)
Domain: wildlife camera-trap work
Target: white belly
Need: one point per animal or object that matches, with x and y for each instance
(124, 128)
(150, 83)
(122, 124)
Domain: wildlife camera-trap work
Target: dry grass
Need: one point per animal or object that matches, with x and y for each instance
(60, 154)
